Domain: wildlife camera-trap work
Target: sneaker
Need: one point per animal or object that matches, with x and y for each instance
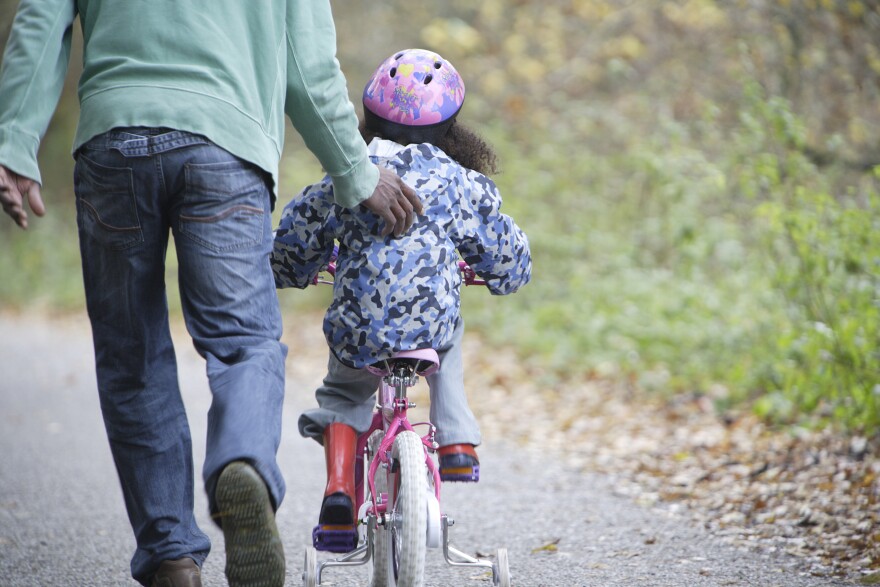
(459, 462)
(182, 572)
(254, 553)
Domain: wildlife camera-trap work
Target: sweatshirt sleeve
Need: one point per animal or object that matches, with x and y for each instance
(31, 79)
(490, 241)
(318, 105)
(305, 237)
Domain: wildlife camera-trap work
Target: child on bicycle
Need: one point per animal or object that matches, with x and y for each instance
(394, 294)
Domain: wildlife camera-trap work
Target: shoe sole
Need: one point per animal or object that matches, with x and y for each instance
(336, 510)
(254, 553)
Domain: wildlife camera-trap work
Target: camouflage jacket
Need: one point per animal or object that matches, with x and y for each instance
(392, 294)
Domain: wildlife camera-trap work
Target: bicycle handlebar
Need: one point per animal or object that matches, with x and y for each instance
(469, 275)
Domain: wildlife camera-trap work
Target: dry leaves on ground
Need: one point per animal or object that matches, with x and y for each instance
(813, 495)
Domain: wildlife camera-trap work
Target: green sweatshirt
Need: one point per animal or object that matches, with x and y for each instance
(225, 69)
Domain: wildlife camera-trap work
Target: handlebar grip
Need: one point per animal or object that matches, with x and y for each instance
(330, 268)
(469, 275)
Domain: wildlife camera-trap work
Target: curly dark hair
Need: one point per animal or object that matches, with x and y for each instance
(462, 144)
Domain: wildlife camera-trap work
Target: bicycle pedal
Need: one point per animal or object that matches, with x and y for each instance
(460, 474)
(339, 539)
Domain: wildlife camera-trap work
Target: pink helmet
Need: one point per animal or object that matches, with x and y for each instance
(414, 87)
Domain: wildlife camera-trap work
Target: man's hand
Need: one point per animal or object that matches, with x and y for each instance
(13, 190)
(394, 201)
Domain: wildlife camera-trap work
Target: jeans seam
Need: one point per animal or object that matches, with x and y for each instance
(161, 176)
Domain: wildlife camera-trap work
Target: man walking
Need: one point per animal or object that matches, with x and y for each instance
(181, 128)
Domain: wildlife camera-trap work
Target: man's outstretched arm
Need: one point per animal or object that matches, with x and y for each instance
(32, 75)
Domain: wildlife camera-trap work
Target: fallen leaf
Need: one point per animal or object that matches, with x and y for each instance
(551, 546)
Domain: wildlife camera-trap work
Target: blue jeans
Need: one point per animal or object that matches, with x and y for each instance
(132, 186)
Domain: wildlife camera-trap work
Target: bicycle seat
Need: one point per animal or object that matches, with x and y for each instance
(423, 361)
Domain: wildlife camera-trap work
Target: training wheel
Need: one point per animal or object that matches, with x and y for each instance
(434, 535)
(310, 568)
(501, 568)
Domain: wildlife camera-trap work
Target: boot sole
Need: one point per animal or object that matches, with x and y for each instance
(254, 553)
(336, 510)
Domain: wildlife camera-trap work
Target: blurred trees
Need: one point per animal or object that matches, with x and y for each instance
(554, 64)
(825, 59)
(695, 176)
(555, 59)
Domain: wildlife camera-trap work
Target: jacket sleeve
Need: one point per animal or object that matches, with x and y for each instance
(305, 237)
(318, 105)
(31, 79)
(490, 241)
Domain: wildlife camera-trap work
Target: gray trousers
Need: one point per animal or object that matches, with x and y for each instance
(347, 396)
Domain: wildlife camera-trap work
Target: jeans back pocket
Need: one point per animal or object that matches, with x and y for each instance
(106, 206)
(224, 206)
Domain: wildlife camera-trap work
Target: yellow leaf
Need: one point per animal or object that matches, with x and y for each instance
(549, 547)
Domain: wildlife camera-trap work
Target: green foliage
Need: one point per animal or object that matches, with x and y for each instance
(691, 175)
(642, 266)
(826, 266)
(40, 266)
(823, 260)
(701, 252)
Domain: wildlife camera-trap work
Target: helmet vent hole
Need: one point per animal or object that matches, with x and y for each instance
(428, 79)
(437, 65)
(393, 72)
(398, 56)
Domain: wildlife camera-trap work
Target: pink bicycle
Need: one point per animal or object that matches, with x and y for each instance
(398, 486)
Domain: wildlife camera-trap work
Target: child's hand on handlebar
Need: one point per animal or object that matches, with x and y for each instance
(469, 275)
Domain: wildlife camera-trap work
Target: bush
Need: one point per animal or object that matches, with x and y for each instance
(827, 266)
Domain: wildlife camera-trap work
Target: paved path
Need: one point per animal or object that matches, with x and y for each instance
(62, 520)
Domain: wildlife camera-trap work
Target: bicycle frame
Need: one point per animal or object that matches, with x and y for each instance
(391, 416)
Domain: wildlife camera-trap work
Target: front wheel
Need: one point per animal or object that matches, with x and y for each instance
(407, 523)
